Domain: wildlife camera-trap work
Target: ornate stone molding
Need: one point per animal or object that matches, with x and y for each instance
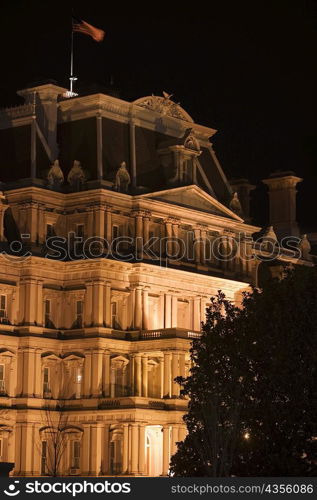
(165, 106)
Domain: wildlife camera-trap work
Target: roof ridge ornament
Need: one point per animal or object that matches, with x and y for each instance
(164, 105)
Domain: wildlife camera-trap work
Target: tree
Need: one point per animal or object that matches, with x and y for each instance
(54, 440)
(252, 388)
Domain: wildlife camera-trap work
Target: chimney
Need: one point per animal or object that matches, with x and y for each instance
(282, 199)
(243, 188)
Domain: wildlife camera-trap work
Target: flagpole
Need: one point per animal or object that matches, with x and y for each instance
(72, 78)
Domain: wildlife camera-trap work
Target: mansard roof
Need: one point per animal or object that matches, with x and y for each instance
(101, 131)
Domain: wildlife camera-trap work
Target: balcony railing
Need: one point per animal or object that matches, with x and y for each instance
(170, 332)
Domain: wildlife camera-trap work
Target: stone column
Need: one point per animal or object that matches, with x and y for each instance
(174, 439)
(138, 214)
(98, 286)
(138, 308)
(145, 308)
(30, 307)
(182, 432)
(99, 220)
(28, 371)
(141, 449)
(89, 231)
(144, 376)
(31, 209)
(99, 146)
(167, 374)
(134, 448)
(197, 245)
(106, 374)
(168, 310)
(169, 235)
(203, 309)
(203, 235)
(41, 230)
(197, 313)
(88, 304)
(138, 377)
(161, 377)
(105, 450)
(166, 449)
(175, 373)
(3, 208)
(87, 374)
(125, 451)
(39, 318)
(38, 374)
(146, 226)
(95, 449)
(132, 153)
(174, 311)
(97, 362)
(109, 224)
(182, 365)
(107, 304)
(175, 235)
(85, 455)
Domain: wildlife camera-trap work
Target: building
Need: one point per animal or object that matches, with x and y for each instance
(109, 259)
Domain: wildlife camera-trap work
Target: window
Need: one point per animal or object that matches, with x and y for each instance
(75, 455)
(43, 457)
(47, 313)
(80, 230)
(78, 381)
(46, 382)
(49, 230)
(114, 315)
(3, 307)
(115, 232)
(2, 385)
(79, 313)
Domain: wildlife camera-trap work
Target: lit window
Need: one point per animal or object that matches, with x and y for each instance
(2, 384)
(3, 307)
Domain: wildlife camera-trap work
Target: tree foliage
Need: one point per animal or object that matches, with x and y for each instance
(252, 387)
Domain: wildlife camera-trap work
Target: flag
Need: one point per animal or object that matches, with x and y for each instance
(87, 29)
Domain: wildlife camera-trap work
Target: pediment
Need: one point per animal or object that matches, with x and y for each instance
(195, 198)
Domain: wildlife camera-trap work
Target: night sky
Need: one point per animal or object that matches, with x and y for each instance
(247, 69)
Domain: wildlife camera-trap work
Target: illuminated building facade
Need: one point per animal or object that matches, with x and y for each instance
(109, 259)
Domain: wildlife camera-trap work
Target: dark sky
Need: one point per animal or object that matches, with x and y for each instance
(247, 69)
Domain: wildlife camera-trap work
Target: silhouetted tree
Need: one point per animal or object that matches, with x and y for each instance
(252, 389)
